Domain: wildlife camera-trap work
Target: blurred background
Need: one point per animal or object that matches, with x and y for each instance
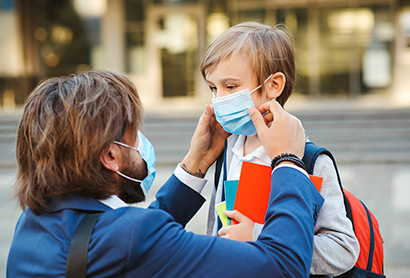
(352, 93)
(344, 48)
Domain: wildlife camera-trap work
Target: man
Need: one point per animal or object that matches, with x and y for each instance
(79, 151)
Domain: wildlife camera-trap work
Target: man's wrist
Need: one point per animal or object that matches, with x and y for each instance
(194, 167)
(287, 157)
(189, 180)
(197, 173)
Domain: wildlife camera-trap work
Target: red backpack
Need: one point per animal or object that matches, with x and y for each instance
(365, 225)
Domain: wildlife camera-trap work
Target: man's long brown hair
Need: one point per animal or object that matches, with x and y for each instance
(66, 125)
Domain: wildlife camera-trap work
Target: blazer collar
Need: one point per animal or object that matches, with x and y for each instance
(76, 201)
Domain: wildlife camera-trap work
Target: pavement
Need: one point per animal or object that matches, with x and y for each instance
(386, 193)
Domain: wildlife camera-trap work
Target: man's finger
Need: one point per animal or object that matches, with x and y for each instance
(268, 117)
(257, 119)
(275, 109)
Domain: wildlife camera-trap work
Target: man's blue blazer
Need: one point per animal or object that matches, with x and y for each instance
(137, 242)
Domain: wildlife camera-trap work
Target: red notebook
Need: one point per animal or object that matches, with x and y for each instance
(252, 197)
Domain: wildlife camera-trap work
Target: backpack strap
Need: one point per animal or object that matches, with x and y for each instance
(371, 248)
(78, 252)
(221, 161)
(312, 152)
(218, 167)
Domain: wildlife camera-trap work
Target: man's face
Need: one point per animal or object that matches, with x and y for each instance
(133, 166)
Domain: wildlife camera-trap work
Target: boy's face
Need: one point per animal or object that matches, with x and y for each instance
(233, 75)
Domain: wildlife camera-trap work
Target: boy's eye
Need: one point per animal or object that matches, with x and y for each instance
(231, 87)
(213, 89)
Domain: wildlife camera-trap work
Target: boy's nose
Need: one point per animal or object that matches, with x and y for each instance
(220, 93)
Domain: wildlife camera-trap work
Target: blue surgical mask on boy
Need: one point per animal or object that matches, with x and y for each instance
(231, 111)
(147, 153)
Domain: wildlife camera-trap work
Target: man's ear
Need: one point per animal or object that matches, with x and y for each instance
(275, 85)
(111, 159)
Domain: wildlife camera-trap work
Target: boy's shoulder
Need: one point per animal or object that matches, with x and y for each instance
(323, 165)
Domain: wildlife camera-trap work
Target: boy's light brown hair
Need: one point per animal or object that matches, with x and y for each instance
(66, 125)
(270, 50)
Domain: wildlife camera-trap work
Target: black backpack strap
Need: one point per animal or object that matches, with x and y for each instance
(218, 167)
(220, 162)
(78, 252)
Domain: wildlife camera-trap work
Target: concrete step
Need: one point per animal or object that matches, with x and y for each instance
(352, 136)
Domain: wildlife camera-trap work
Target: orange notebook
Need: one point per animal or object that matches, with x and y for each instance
(252, 197)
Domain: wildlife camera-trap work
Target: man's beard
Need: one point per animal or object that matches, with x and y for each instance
(131, 191)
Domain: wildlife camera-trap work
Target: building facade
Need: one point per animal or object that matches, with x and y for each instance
(349, 49)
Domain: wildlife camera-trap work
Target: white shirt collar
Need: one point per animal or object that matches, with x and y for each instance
(260, 153)
(114, 202)
(237, 149)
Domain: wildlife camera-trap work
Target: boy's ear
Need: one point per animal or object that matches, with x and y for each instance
(111, 158)
(275, 85)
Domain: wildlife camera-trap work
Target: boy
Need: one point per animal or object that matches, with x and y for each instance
(250, 64)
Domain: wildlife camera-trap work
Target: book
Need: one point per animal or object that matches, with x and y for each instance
(231, 188)
(252, 196)
(253, 191)
(221, 208)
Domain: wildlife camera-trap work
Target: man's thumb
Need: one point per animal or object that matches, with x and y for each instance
(257, 118)
(204, 120)
(207, 115)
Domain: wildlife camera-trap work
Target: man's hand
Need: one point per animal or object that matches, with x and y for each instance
(207, 144)
(283, 135)
(243, 231)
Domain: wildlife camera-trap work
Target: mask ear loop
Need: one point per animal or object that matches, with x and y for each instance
(127, 146)
(127, 177)
(135, 149)
(260, 87)
(255, 89)
(261, 84)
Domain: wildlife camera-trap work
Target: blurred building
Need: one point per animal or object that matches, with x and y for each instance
(344, 48)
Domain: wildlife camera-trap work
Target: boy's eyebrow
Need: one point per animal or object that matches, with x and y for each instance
(225, 80)
(229, 79)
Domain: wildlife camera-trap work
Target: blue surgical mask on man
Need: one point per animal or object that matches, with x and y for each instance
(147, 153)
(231, 111)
